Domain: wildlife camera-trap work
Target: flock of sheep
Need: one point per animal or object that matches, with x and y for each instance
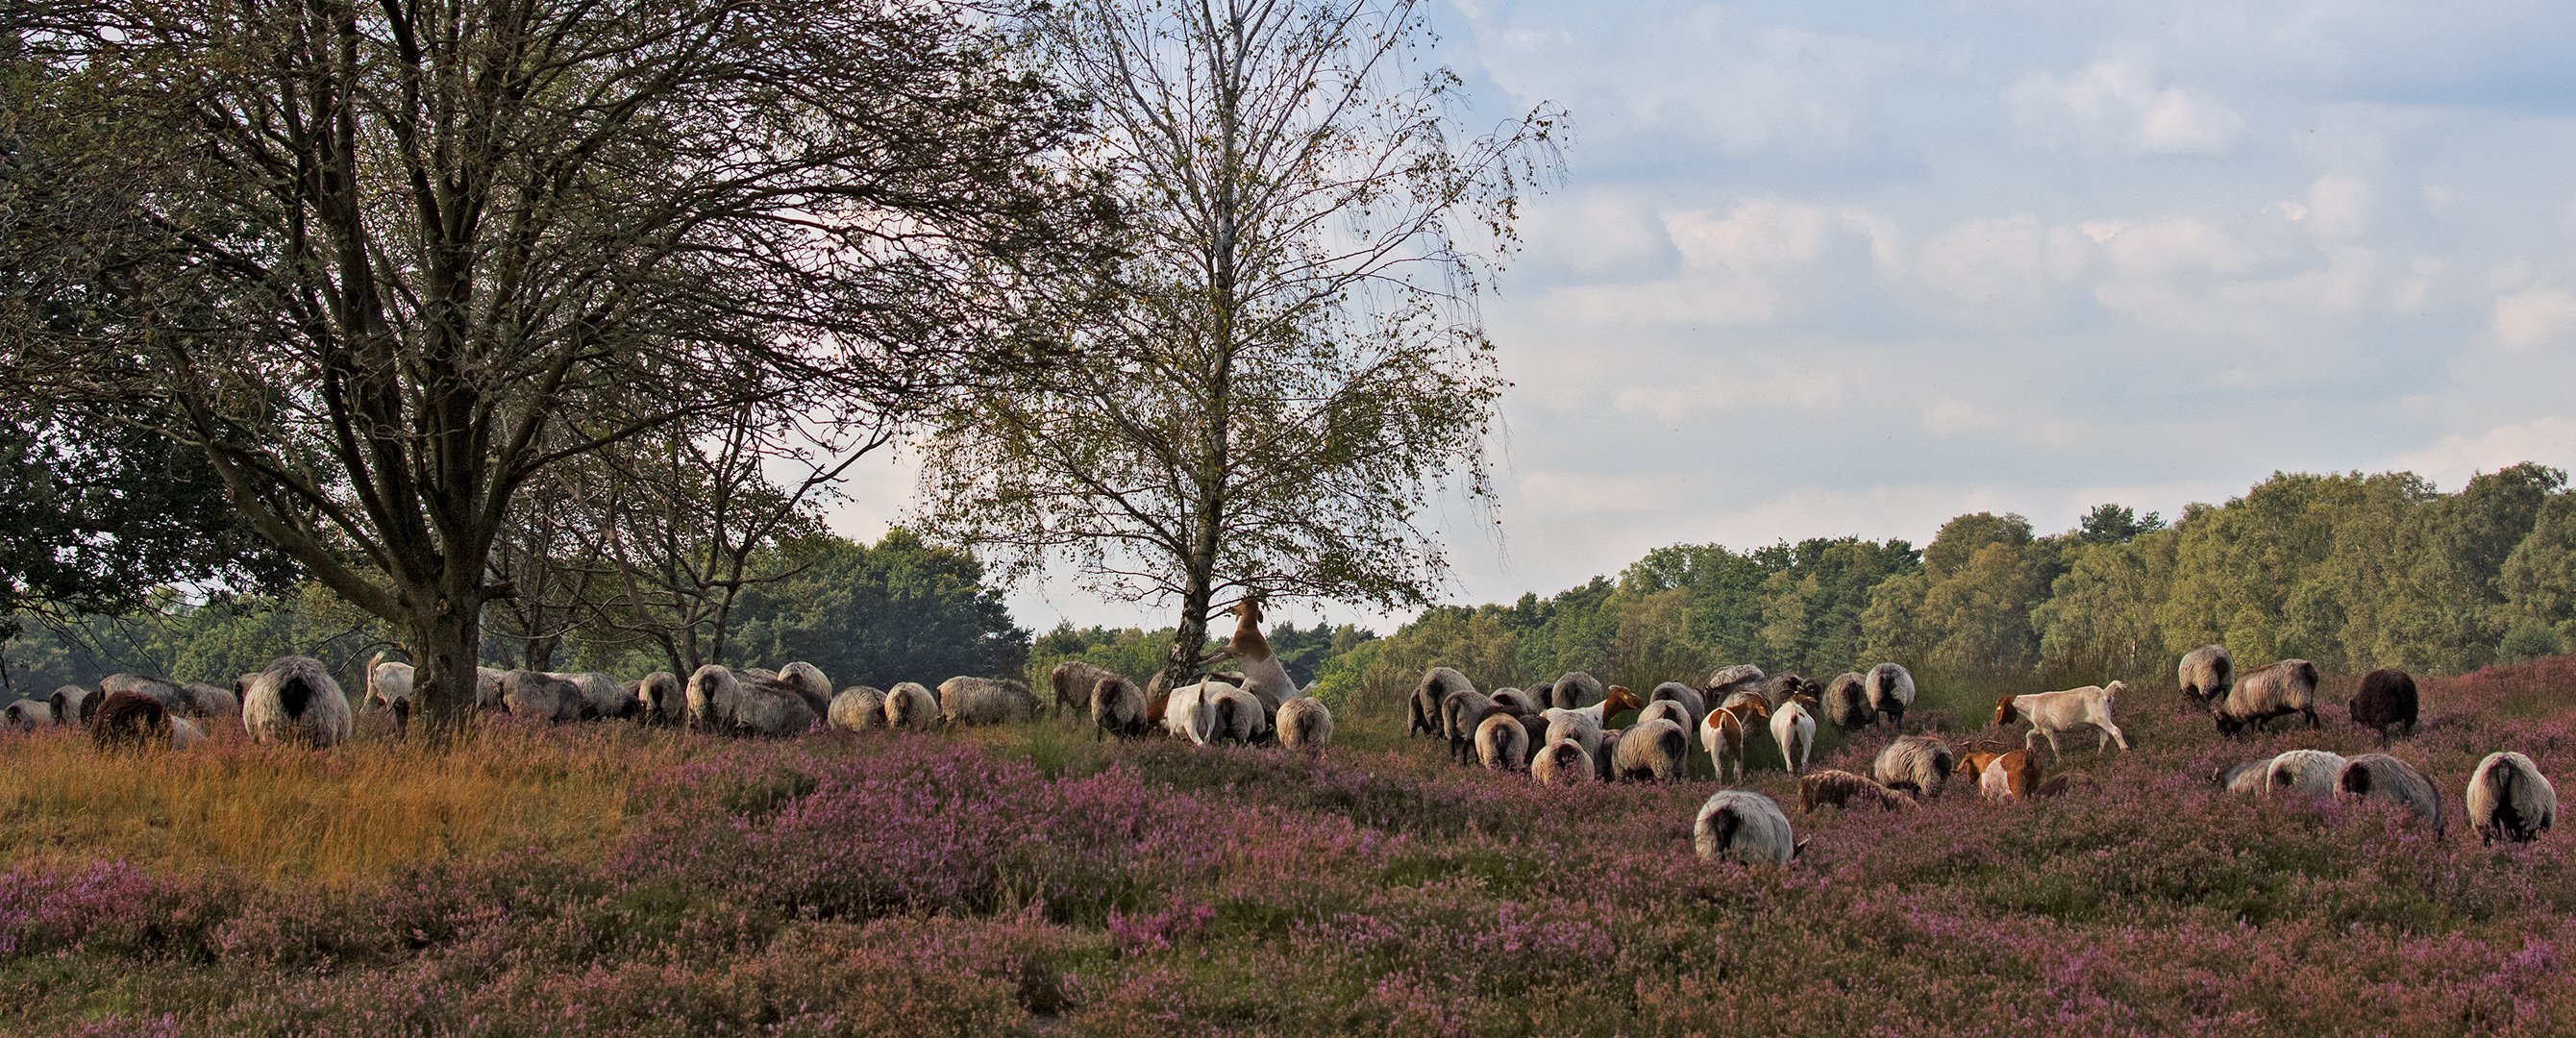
(2508, 798)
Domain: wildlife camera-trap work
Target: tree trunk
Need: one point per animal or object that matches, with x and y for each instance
(446, 645)
(1186, 658)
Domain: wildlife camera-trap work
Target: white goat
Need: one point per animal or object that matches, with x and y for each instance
(2052, 712)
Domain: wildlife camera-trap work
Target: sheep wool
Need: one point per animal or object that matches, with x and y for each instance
(1919, 763)
(712, 692)
(858, 708)
(1743, 826)
(1502, 744)
(1891, 692)
(2284, 688)
(1305, 723)
(909, 705)
(1846, 701)
(1562, 763)
(1073, 681)
(27, 715)
(1842, 789)
(2388, 778)
(294, 699)
(1424, 707)
(2303, 771)
(663, 701)
(2509, 799)
(1118, 707)
(2206, 673)
(967, 700)
(1650, 750)
(2386, 700)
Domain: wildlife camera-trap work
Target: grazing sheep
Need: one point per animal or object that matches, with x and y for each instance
(1562, 763)
(1501, 743)
(1745, 826)
(1846, 701)
(2284, 688)
(603, 697)
(210, 701)
(1459, 716)
(543, 696)
(1779, 688)
(857, 709)
(488, 689)
(1723, 732)
(1609, 750)
(1794, 728)
(1842, 789)
(2386, 700)
(27, 715)
(1919, 763)
(294, 698)
(1585, 724)
(2010, 776)
(129, 719)
(661, 699)
(1235, 716)
(1891, 692)
(1729, 679)
(771, 706)
(1675, 711)
(1424, 708)
(1305, 723)
(1577, 690)
(2206, 673)
(2509, 799)
(70, 703)
(1117, 708)
(2380, 775)
(810, 685)
(2052, 712)
(1650, 750)
(2243, 778)
(389, 687)
(712, 692)
(1516, 699)
(2303, 771)
(908, 705)
(1542, 695)
(1676, 692)
(1073, 682)
(964, 700)
(167, 693)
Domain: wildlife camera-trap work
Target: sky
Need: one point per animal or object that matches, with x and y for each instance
(1822, 269)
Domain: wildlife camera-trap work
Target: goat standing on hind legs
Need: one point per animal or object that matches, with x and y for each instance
(1263, 675)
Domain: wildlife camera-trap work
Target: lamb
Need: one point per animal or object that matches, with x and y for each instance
(1459, 716)
(71, 704)
(2052, 712)
(2206, 673)
(1501, 743)
(1516, 699)
(1919, 763)
(1675, 711)
(543, 696)
(772, 706)
(661, 699)
(810, 685)
(2010, 776)
(1117, 708)
(2284, 688)
(1577, 690)
(1424, 708)
(857, 709)
(1745, 826)
(294, 698)
(965, 700)
(908, 705)
(1263, 675)
(2509, 799)
(1722, 732)
(1073, 682)
(2380, 775)
(1845, 790)
(1650, 750)
(1891, 691)
(135, 720)
(1846, 702)
(2303, 771)
(2386, 700)
(27, 715)
(1305, 723)
(1562, 763)
(1729, 679)
(1795, 730)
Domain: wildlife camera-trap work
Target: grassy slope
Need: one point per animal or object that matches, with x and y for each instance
(1028, 878)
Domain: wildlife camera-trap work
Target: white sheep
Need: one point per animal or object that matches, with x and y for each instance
(2206, 673)
(1795, 730)
(1501, 743)
(2303, 771)
(1745, 826)
(909, 705)
(662, 699)
(1305, 723)
(389, 688)
(27, 715)
(1562, 762)
(1234, 715)
(713, 691)
(294, 698)
(1919, 763)
(858, 708)
(68, 701)
(601, 695)
(2509, 799)
(2380, 775)
(810, 684)
(1675, 711)
(1891, 692)
(2052, 712)
(1650, 750)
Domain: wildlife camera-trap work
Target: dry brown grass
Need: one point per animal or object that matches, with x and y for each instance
(349, 814)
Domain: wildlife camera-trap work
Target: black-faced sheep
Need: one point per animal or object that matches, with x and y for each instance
(857, 709)
(27, 715)
(2052, 712)
(1424, 708)
(1117, 708)
(542, 696)
(1891, 692)
(1731, 679)
(908, 705)
(1919, 763)
(2509, 799)
(1459, 716)
(1073, 681)
(1846, 701)
(1795, 730)
(128, 719)
(1744, 826)
(2206, 673)
(2313, 772)
(1305, 723)
(1842, 789)
(2380, 775)
(1501, 743)
(1576, 690)
(663, 700)
(965, 700)
(294, 698)
(1650, 750)
(1562, 763)
(2386, 700)
(2284, 688)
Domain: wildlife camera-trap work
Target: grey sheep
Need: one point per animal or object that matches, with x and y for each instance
(2313, 772)
(1650, 750)
(27, 715)
(966, 700)
(294, 699)
(1516, 699)
(1562, 762)
(662, 699)
(1459, 715)
(1576, 690)
(2206, 673)
(1305, 723)
(1842, 789)
(70, 703)
(543, 696)
(2284, 688)
(2380, 775)
(2509, 799)
(772, 707)
(602, 696)
(1891, 692)
(909, 705)
(810, 685)
(712, 693)
(1846, 701)
(1118, 707)
(1073, 682)
(1919, 763)
(1424, 708)
(1744, 826)
(1501, 743)
(857, 709)
(1731, 679)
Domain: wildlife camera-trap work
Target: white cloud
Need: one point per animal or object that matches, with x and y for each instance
(2535, 318)
(2451, 460)
(2117, 104)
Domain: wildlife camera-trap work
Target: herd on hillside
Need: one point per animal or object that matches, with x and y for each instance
(1555, 732)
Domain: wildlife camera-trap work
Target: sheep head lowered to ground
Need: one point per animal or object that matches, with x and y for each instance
(294, 699)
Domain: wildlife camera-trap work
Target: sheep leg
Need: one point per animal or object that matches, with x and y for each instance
(2312, 718)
